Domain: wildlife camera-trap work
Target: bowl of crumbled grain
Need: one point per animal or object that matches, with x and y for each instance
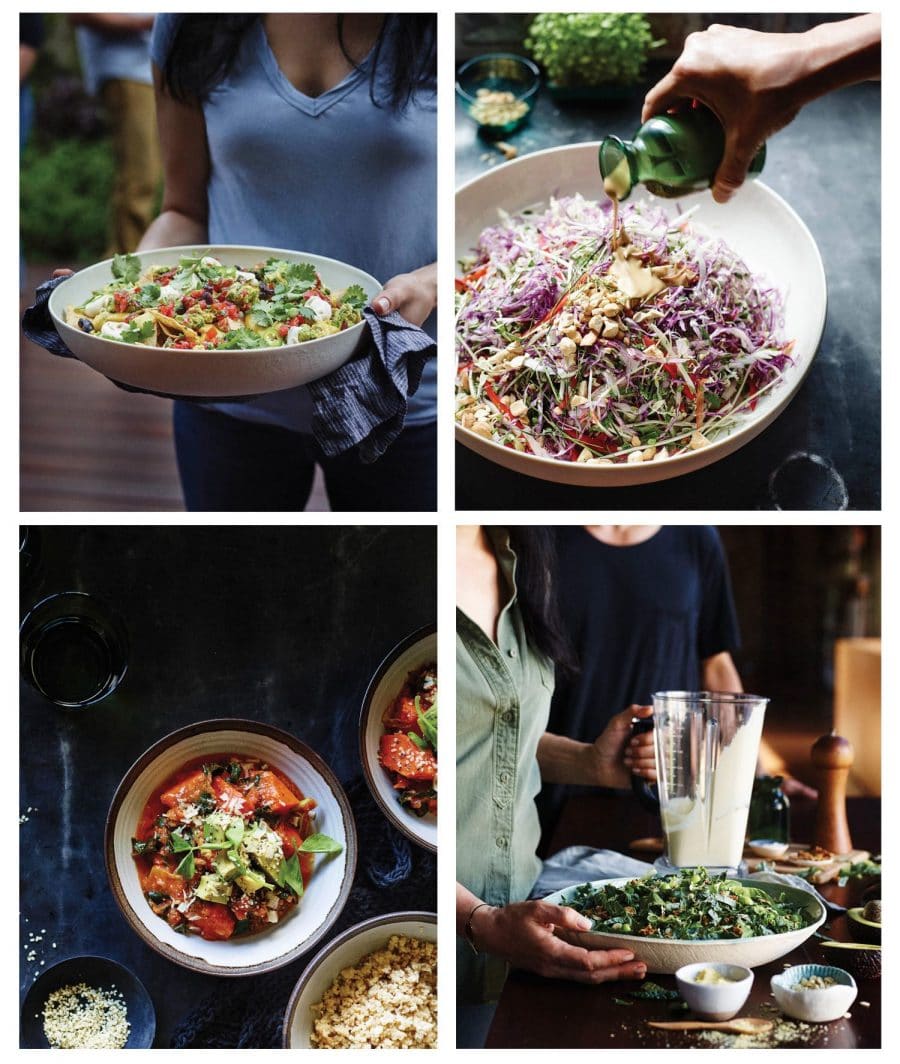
(87, 1003)
(372, 987)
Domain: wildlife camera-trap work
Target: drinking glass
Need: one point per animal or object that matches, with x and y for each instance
(73, 649)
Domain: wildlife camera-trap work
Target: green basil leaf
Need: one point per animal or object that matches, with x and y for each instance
(186, 869)
(179, 843)
(320, 844)
(289, 875)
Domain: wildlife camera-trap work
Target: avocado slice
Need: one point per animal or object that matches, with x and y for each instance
(860, 959)
(212, 887)
(225, 867)
(251, 881)
(865, 928)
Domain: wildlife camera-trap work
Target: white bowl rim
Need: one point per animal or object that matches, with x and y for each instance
(237, 248)
(393, 816)
(781, 979)
(556, 899)
(338, 941)
(685, 971)
(198, 964)
(536, 461)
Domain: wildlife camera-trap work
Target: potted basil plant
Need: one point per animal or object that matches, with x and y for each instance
(591, 55)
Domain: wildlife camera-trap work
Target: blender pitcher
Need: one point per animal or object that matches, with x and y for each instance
(707, 746)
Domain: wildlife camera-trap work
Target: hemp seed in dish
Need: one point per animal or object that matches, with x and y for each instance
(387, 1000)
(85, 1017)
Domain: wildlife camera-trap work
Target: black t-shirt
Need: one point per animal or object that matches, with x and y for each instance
(642, 619)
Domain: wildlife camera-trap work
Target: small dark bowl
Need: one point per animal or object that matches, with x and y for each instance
(504, 72)
(96, 972)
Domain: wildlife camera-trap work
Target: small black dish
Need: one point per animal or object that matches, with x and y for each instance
(96, 972)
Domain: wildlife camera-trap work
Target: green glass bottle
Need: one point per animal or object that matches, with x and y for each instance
(770, 811)
(671, 154)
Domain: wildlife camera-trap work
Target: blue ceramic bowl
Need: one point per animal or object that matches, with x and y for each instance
(499, 72)
(99, 972)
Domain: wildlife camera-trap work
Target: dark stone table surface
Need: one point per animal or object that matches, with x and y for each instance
(824, 451)
(282, 625)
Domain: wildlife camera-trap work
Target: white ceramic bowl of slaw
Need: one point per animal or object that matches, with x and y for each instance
(212, 374)
(757, 224)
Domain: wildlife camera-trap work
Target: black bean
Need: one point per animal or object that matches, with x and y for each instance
(85, 325)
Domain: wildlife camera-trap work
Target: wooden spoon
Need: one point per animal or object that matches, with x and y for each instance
(741, 1025)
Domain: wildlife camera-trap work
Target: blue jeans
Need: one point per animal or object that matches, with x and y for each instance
(229, 464)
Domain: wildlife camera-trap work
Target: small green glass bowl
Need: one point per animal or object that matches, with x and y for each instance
(499, 72)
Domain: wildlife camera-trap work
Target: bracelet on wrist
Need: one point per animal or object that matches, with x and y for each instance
(468, 933)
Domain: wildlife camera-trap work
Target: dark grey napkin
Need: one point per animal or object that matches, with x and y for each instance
(364, 402)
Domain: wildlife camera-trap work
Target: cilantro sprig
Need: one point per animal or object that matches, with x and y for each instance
(126, 268)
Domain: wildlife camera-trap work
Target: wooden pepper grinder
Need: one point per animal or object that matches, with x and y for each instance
(832, 756)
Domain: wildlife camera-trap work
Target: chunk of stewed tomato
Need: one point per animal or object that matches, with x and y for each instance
(274, 794)
(186, 791)
(398, 753)
(214, 922)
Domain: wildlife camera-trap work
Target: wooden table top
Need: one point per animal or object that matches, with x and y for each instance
(535, 1012)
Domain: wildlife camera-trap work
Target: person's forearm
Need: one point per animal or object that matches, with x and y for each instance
(564, 760)
(720, 674)
(841, 53)
(171, 229)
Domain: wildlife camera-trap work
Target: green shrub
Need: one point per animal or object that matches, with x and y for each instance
(591, 49)
(65, 195)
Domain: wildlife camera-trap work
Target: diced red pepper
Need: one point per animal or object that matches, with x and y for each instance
(498, 403)
(597, 442)
(283, 330)
(398, 753)
(168, 309)
(121, 302)
(671, 369)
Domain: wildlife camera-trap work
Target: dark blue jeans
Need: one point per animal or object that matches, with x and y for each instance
(240, 466)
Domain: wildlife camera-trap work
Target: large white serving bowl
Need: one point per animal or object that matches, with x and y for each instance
(328, 889)
(416, 651)
(347, 949)
(756, 223)
(667, 955)
(212, 374)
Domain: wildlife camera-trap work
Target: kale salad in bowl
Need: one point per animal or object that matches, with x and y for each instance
(692, 916)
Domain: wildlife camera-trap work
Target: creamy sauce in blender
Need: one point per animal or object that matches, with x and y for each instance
(711, 831)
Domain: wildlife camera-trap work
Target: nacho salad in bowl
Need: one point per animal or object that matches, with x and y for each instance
(582, 343)
(201, 304)
(226, 846)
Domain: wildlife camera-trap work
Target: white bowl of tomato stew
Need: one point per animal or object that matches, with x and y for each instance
(399, 760)
(230, 847)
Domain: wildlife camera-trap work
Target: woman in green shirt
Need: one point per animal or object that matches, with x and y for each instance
(507, 643)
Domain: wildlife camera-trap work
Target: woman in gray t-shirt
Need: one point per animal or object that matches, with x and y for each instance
(316, 132)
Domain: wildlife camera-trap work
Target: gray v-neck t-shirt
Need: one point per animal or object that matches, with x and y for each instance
(333, 175)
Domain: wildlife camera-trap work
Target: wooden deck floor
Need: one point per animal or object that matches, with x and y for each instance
(86, 445)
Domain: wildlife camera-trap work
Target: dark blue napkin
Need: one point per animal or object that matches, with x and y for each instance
(363, 404)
